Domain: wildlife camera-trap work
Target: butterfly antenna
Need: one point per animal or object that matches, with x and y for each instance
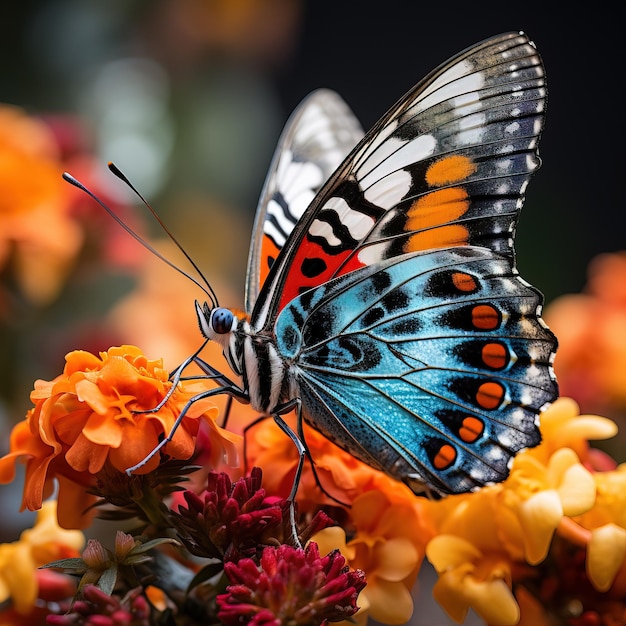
(206, 287)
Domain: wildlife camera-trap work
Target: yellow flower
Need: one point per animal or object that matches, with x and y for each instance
(540, 495)
(606, 523)
(19, 560)
(470, 578)
(483, 538)
(91, 415)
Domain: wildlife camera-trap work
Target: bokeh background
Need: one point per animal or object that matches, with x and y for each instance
(188, 98)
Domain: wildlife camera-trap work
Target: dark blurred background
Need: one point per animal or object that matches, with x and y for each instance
(210, 103)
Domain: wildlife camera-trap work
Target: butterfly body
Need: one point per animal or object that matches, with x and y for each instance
(387, 305)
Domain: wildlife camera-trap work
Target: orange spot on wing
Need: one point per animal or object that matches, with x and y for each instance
(443, 237)
(437, 208)
(494, 355)
(445, 456)
(450, 170)
(471, 429)
(490, 395)
(464, 282)
(432, 217)
(485, 317)
(269, 252)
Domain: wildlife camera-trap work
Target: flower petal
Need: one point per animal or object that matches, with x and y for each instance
(577, 491)
(539, 516)
(17, 568)
(446, 551)
(457, 590)
(397, 558)
(606, 553)
(389, 602)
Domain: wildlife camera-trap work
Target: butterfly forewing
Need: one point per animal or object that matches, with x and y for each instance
(316, 139)
(446, 166)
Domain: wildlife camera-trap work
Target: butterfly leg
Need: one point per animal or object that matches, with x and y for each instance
(246, 429)
(302, 451)
(233, 391)
(318, 482)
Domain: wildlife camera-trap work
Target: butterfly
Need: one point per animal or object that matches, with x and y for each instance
(382, 298)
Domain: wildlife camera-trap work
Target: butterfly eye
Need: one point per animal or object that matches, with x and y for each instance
(222, 321)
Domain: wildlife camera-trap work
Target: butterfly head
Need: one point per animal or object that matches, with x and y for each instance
(215, 322)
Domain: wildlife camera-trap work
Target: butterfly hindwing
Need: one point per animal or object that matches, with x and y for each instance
(431, 366)
(447, 166)
(317, 137)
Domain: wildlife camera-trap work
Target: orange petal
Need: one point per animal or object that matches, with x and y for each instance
(103, 430)
(85, 456)
(73, 508)
(137, 444)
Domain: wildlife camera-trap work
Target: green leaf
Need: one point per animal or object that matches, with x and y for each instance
(108, 579)
(206, 573)
(75, 564)
(153, 543)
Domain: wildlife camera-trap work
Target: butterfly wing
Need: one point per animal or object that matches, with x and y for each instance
(446, 166)
(431, 366)
(317, 137)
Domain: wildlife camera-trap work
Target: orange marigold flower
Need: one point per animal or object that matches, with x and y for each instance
(20, 581)
(88, 416)
(36, 224)
(591, 327)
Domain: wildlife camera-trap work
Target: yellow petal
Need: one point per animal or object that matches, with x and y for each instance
(457, 591)
(591, 427)
(446, 551)
(397, 558)
(539, 516)
(389, 602)
(333, 538)
(577, 491)
(493, 601)
(46, 535)
(18, 573)
(606, 552)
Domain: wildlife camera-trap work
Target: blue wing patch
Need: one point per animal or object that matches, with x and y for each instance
(431, 366)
